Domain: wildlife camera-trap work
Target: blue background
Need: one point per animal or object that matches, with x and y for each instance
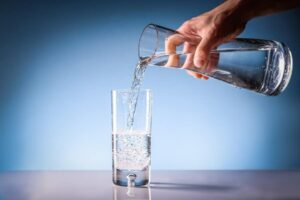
(60, 59)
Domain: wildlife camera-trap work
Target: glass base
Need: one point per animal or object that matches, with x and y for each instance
(120, 177)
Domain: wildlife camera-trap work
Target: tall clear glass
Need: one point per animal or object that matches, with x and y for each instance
(263, 66)
(131, 147)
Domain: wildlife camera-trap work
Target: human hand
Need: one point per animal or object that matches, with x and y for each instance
(204, 33)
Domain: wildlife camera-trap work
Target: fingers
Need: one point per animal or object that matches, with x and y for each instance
(173, 61)
(172, 42)
(170, 49)
(189, 51)
(201, 57)
(195, 55)
(189, 48)
(213, 61)
(196, 75)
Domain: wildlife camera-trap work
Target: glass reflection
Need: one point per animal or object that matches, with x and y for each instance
(131, 193)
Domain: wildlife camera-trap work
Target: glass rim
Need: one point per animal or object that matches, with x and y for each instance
(150, 25)
(128, 90)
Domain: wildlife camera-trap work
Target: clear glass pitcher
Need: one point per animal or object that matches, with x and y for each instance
(263, 66)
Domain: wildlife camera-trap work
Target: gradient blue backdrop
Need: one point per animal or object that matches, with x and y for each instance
(60, 59)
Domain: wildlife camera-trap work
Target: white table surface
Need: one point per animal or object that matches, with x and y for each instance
(173, 185)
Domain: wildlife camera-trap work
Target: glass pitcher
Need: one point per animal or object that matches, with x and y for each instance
(263, 66)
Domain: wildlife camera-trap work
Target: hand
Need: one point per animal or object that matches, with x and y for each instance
(206, 32)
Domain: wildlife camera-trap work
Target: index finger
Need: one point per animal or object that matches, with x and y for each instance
(171, 44)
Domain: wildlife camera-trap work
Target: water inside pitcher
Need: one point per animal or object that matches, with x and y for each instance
(263, 66)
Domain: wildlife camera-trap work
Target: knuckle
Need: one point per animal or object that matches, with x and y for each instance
(220, 18)
(212, 32)
(187, 24)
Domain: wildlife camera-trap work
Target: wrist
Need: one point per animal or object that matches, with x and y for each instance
(244, 10)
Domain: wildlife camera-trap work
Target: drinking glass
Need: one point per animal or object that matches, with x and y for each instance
(131, 146)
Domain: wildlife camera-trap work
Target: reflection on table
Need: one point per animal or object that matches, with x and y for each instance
(131, 193)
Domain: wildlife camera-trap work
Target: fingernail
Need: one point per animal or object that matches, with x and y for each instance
(200, 63)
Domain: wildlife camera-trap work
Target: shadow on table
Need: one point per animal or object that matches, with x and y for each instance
(190, 187)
